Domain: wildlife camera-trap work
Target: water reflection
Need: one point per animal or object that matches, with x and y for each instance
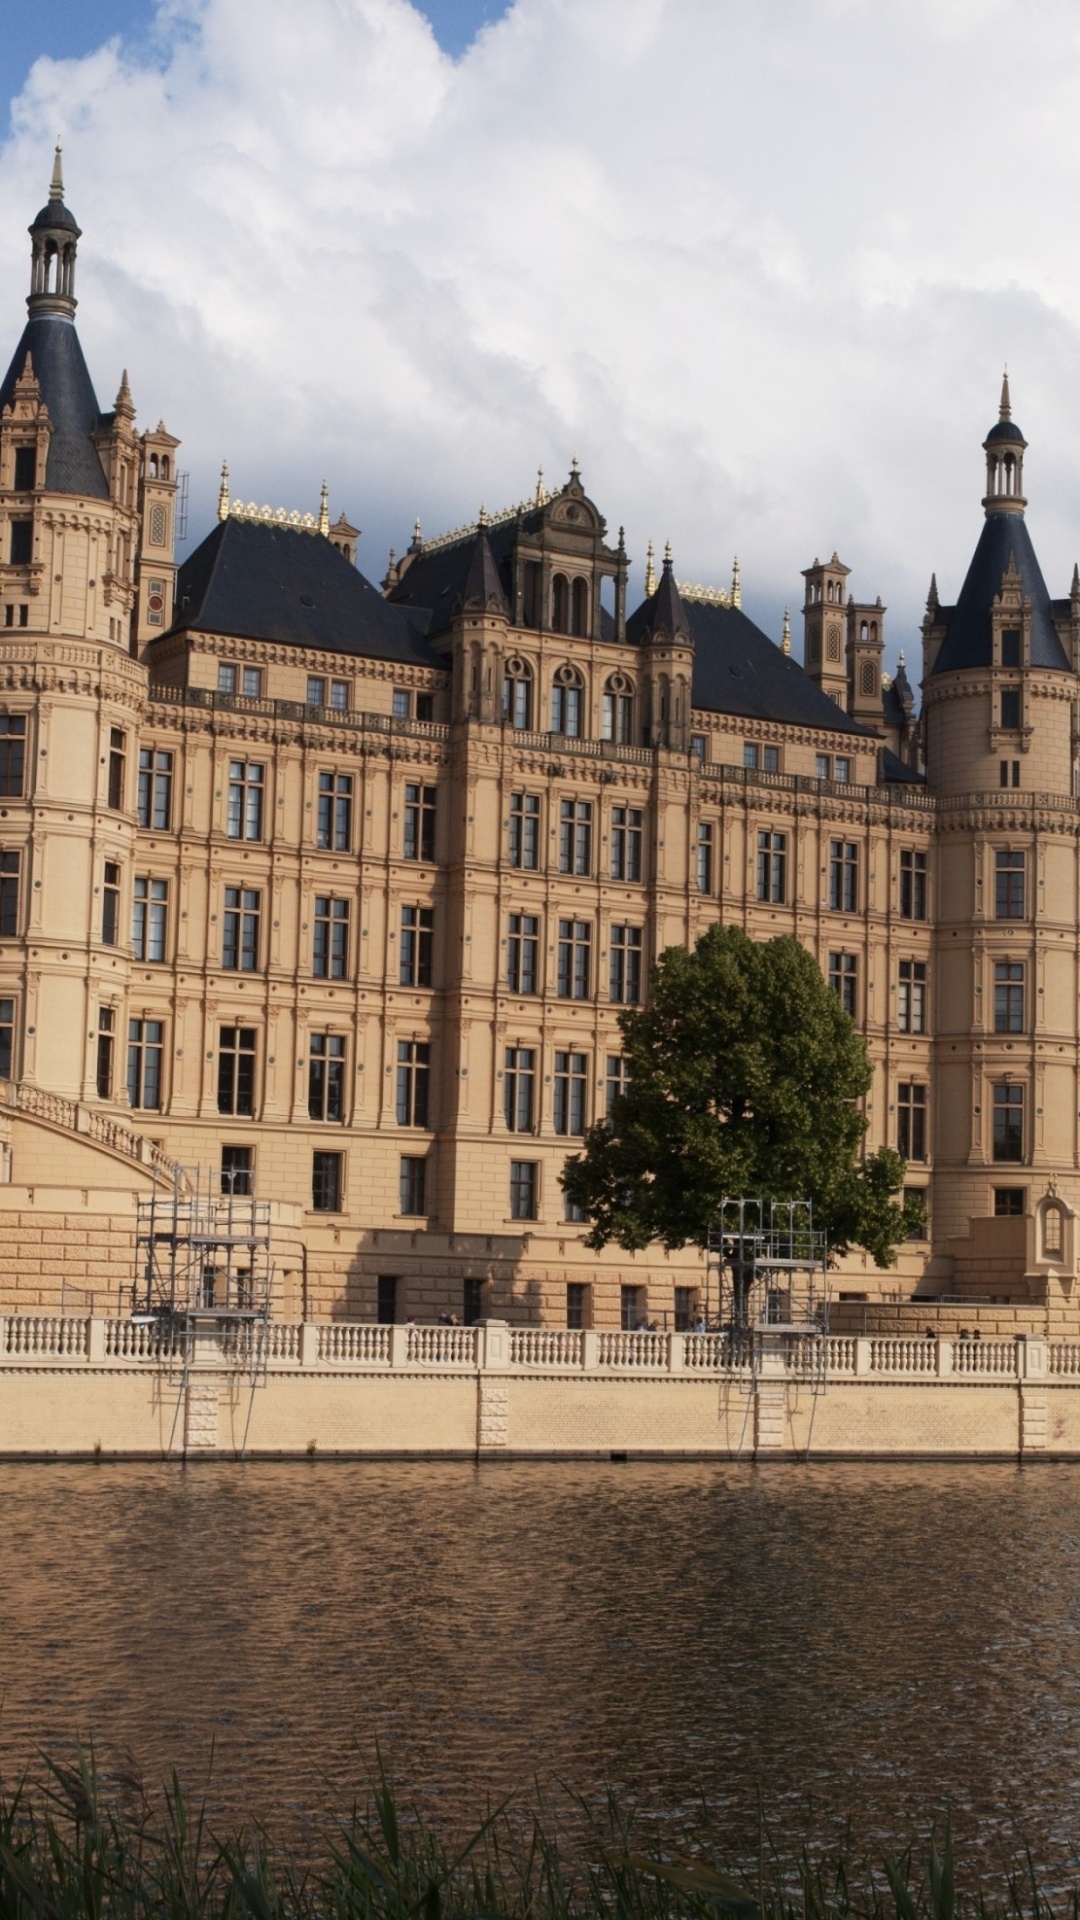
(879, 1641)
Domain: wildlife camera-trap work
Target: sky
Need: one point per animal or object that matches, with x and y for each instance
(758, 266)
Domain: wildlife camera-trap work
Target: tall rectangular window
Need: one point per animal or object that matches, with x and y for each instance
(9, 894)
(524, 1187)
(240, 929)
(625, 970)
(570, 1092)
(110, 904)
(1008, 1123)
(327, 1171)
(412, 1194)
(1010, 707)
(386, 1299)
(1009, 883)
(326, 1076)
(7, 1039)
(25, 469)
(251, 683)
(238, 1171)
(226, 677)
(236, 1070)
(575, 960)
(413, 1081)
(772, 867)
(627, 833)
(843, 876)
(912, 884)
(704, 857)
(1010, 647)
(685, 1308)
(1008, 996)
(419, 838)
(146, 1048)
(333, 814)
(106, 1045)
(575, 836)
(911, 1120)
(844, 980)
(631, 1312)
(517, 695)
(616, 1081)
(576, 1301)
(401, 706)
(117, 767)
(12, 754)
(155, 788)
(247, 785)
(417, 935)
(22, 542)
(340, 696)
(523, 953)
(525, 830)
(149, 918)
(911, 997)
(316, 690)
(330, 938)
(519, 1079)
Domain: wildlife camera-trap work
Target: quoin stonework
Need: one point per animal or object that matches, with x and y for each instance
(336, 890)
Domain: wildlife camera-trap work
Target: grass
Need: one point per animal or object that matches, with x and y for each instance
(74, 1851)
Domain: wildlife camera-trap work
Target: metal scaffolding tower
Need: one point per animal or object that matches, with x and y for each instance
(203, 1269)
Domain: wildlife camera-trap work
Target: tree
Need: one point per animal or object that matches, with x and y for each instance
(745, 1077)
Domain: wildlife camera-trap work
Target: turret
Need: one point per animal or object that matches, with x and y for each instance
(823, 627)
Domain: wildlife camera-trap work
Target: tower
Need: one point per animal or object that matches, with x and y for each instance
(865, 645)
(823, 627)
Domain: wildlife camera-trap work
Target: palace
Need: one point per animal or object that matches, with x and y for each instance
(336, 891)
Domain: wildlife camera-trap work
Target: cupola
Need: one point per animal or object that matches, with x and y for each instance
(54, 236)
(1004, 448)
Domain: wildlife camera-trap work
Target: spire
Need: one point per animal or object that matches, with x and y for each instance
(417, 537)
(56, 184)
(324, 511)
(1074, 590)
(483, 588)
(667, 617)
(123, 404)
(785, 637)
(650, 572)
(53, 237)
(1005, 412)
(736, 585)
(540, 495)
(932, 602)
(223, 492)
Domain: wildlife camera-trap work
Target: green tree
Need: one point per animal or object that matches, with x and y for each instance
(745, 1077)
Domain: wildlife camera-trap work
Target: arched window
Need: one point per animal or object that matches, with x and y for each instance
(617, 717)
(164, 466)
(566, 703)
(517, 694)
(828, 592)
(579, 622)
(864, 631)
(869, 677)
(873, 629)
(153, 466)
(560, 603)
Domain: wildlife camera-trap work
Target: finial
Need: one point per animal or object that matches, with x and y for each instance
(622, 540)
(900, 661)
(482, 516)
(56, 184)
(736, 589)
(123, 404)
(667, 556)
(931, 598)
(575, 466)
(539, 486)
(1006, 409)
(1075, 589)
(324, 510)
(650, 571)
(785, 637)
(416, 538)
(391, 562)
(223, 492)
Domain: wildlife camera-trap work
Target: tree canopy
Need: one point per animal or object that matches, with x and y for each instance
(745, 1077)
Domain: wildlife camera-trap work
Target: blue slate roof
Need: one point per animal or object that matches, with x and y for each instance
(968, 640)
(263, 582)
(738, 669)
(67, 390)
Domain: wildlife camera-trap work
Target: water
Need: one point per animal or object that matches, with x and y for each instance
(881, 1641)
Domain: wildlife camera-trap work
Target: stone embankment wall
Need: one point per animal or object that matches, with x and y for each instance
(96, 1387)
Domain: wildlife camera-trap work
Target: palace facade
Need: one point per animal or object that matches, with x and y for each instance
(336, 891)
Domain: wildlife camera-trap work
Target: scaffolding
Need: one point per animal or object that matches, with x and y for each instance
(203, 1270)
(767, 1267)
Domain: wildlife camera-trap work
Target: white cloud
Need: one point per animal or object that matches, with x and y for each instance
(757, 264)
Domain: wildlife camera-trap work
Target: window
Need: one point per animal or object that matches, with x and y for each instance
(842, 769)
(823, 766)
(575, 836)
(523, 1189)
(340, 692)
(472, 1302)
(843, 979)
(244, 820)
(330, 938)
(570, 1084)
(326, 1182)
(238, 1171)
(333, 816)
(25, 469)
(22, 542)
(617, 711)
(1010, 647)
(922, 1231)
(630, 1311)
(843, 876)
(566, 703)
(117, 767)
(1008, 773)
(625, 956)
(417, 929)
(386, 1290)
(627, 824)
(575, 959)
(912, 885)
(251, 682)
(579, 607)
(560, 604)
(772, 867)
(523, 953)
(698, 746)
(326, 1076)
(867, 678)
(517, 695)
(316, 691)
(413, 1081)
(240, 930)
(1008, 996)
(226, 677)
(236, 1070)
(7, 1039)
(911, 1120)
(401, 707)
(519, 1078)
(1010, 707)
(145, 1054)
(9, 895)
(1008, 1123)
(572, 1213)
(425, 705)
(750, 756)
(1009, 1202)
(525, 830)
(155, 788)
(770, 759)
(12, 754)
(911, 999)
(419, 840)
(110, 905)
(106, 1041)
(576, 1300)
(704, 858)
(149, 918)
(341, 696)
(1009, 884)
(616, 1082)
(685, 1308)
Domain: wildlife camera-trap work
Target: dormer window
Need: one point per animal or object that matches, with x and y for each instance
(25, 469)
(1010, 647)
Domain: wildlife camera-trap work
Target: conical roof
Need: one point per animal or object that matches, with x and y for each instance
(1004, 542)
(67, 390)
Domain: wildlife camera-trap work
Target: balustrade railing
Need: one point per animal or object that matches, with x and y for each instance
(1065, 1358)
(997, 1357)
(455, 1346)
(347, 1340)
(42, 1337)
(545, 1347)
(633, 1349)
(903, 1356)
